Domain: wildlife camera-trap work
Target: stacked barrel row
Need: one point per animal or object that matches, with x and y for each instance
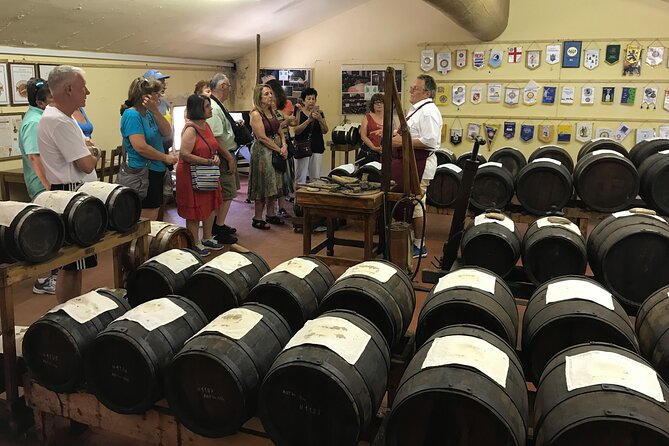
(606, 177)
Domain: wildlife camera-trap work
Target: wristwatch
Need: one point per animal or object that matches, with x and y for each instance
(95, 152)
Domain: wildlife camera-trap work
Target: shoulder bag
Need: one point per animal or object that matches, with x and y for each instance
(243, 136)
(278, 162)
(303, 146)
(204, 178)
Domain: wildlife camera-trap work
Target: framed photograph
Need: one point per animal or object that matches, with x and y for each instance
(360, 82)
(10, 124)
(293, 80)
(44, 70)
(4, 85)
(19, 74)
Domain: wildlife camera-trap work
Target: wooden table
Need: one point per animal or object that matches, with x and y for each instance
(346, 148)
(366, 208)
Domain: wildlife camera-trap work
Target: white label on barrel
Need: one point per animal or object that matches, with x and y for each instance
(9, 210)
(454, 167)
(99, 189)
(595, 368)
(176, 260)
(234, 324)
(56, 200)
(339, 335)
(228, 262)
(628, 213)
(550, 160)
(376, 270)
(482, 219)
(492, 164)
(154, 313)
(467, 277)
(607, 152)
(19, 332)
(601, 139)
(298, 267)
(86, 307)
(574, 289)
(348, 168)
(157, 226)
(446, 151)
(545, 222)
(471, 352)
(375, 164)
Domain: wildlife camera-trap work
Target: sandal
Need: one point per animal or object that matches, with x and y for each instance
(259, 224)
(274, 219)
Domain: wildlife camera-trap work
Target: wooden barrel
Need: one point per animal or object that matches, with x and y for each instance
(469, 296)
(373, 171)
(163, 237)
(352, 133)
(544, 186)
(467, 155)
(464, 386)
(628, 254)
(553, 152)
(339, 135)
(295, 289)
(601, 144)
(646, 148)
(212, 384)
(568, 311)
(327, 384)
(652, 329)
(127, 361)
(600, 394)
(161, 275)
(653, 182)
(379, 291)
(492, 188)
(56, 345)
(511, 158)
(123, 204)
(224, 282)
(444, 156)
(606, 181)
(553, 247)
(29, 232)
(443, 189)
(491, 241)
(84, 216)
(345, 170)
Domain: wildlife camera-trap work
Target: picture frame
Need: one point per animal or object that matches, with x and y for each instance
(4, 85)
(10, 124)
(293, 80)
(19, 74)
(43, 70)
(360, 82)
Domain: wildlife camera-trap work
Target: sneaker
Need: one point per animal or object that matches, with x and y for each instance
(225, 229)
(212, 244)
(45, 286)
(320, 228)
(226, 239)
(283, 213)
(201, 250)
(419, 253)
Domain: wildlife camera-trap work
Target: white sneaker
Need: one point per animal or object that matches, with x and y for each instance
(45, 286)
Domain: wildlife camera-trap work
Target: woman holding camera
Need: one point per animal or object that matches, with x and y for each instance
(311, 128)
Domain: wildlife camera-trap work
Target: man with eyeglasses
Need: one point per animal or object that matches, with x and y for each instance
(425, 122)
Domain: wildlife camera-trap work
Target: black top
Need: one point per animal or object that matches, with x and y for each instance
(313, 129)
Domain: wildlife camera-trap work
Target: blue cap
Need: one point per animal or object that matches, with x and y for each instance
(155, 73)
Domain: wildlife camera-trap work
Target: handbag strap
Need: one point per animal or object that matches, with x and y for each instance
(225, 110)
(211, 152)
(269, 124)
(308, 128)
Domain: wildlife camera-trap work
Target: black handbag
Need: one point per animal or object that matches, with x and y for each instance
(243, 136)
(278, 162)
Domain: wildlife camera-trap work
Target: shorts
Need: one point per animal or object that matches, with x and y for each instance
(229, 183)
(154, 195)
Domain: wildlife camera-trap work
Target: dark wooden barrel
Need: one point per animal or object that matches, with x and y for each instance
(443, 189)
(469, 296)
(467, 155)
(606, 181)
(647, 147)
(163, 237)
(212, 384)
(568, 311)
(84, 216)
(553, 247)
(652, 329)
(511, 158)
(57, 344)
(654, 181)
(326, 385)
(123, 204)
(373, 171)
(544, 186)
(602, 144)
(224, 282)
(444, 156)
(628, 254)
(126, 364)
(553, 152)
(29, 232)
(464, 386)
(492, 242)
(379, 291)
(345, 170)
(161, 275)
(353, 133)
(295, 289)
(600, 394)
(339, 134)
(492, 188)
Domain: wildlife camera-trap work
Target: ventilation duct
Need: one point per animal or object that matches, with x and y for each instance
(485, 19)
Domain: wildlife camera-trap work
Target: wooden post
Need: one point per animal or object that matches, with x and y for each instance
(258, 58)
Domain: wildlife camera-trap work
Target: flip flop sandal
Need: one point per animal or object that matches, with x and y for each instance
(259, 224)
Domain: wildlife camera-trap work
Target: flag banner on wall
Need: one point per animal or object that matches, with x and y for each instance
(622, 131)
(427, 60)
(587, 95)
(473, 131)
(608, 93)
(612, 54)
(495, 60)
(478, 59)
(530, 93)
(533, 59)
(591, 58)
(444, 64)
(494, 93)
(567, 96)
(553, 54)
(476, 94)
(666, 100)
(649, 98)
(456, 136)
(564, 133)
(644, 133)
(512, 96)
(632, 62)
(545, 132)
(491, 131)
(515, 54)
(583, 131)
(461, 58)
(571, 56)
(663, 131)
(526, 132)
(655, 55)
(602, 132)
(441, 98)
(459, 94)
(628, 95)
(548, 96)
(509, 129)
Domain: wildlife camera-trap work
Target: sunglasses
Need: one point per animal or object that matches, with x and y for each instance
(40, 84)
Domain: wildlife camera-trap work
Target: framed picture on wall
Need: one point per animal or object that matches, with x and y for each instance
(293, 80)
(360, 82)
(9, 136)
(19, 75)
(44, 70)
(4, 85)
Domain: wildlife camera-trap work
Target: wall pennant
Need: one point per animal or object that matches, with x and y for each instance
(545, 132)
(441, 98)
(644, 133)
(564, 133)
(608, 93)
(509, 129)
(649, 98)
(553, 54)
(628, 96)
(495, 60)
(473, 131)
(603, 132)
(427, 60)
(533, 59)
(456, 136)
(478, 59)
(583, 131)
(461, 58)
(571, 56)
(476, 94)
(654, 55)
(515, 54)
(622, 131)
(548, 96)
(511, 96)
(588, 95)
(494, 93)
(459, 94)
(663, 131)
(490, 131)
(444, 63)
(632, 62)
(526, 132)
(666, 100)
(530, 93)
(567, 96)
(612, 54)
(591, 59)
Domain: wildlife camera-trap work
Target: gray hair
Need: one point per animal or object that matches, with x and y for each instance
(218, 78)
(430, 84)
(61, 74)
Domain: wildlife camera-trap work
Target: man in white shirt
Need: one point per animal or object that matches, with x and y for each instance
(425, 122)
(66, 158)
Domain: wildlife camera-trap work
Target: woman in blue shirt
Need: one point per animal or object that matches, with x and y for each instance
(142, 128)
(85, 124)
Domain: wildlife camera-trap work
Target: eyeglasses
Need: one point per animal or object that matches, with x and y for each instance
(416, 88)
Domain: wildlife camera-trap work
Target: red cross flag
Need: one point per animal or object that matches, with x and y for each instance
(515, 54)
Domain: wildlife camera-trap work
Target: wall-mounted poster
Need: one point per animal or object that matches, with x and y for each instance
(293, 80)
(360, 82)
(4, 85)
(44, 70)
(9, 135)
(19, 75)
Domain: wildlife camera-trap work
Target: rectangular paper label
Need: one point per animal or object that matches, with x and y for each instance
(234, 324)
(98, 189)
(229, 262)
(176, 260)
(157, 226)
(376, 270)
(467, 277)
(298, 267)
(628, 213)
(154, 313)
(86, 307)
(454, 167)
(607, 151)
(348, 168)
(491, 163)
(9, 210)
(19, 332)
(374, 164)
(507, 222)
(545, 222)
(550, 160)
(56, 200)
(573, 289)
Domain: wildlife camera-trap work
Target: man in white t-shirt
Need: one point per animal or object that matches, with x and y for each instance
(66, 158)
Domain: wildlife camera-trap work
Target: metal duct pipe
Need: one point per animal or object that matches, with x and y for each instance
(485, 19)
